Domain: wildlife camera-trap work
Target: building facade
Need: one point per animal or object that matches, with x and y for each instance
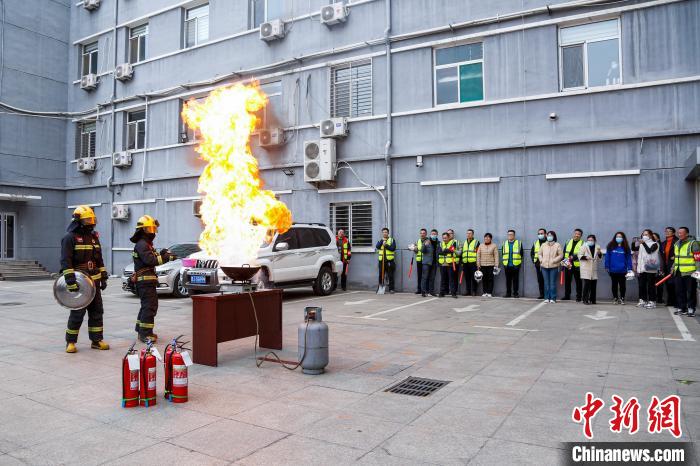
(485, 115)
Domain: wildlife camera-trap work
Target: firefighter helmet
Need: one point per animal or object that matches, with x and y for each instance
(148, 224)
(85, 215)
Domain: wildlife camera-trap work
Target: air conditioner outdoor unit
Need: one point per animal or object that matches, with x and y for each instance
(91, 4)
(271, 137)
(334, 128)
(122, 159)
(272, 30)
(86, 165)
(334, 13)
(120, 212)
(89, 82)
(124, 72)
(196, 205)
(319, 160)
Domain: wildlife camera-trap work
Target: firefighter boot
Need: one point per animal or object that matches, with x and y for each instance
(153, 337)
(100, 345)
(70, 348)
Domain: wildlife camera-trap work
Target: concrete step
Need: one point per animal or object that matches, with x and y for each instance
(25, 273)
(23, 270)
(18, 263)
(27, 268)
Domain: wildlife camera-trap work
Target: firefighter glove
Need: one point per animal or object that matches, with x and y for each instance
(103, 284)
(73, 287)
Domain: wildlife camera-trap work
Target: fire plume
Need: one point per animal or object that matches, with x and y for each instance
(237, 212)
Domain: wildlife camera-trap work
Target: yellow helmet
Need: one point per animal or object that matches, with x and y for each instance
(85, 214)
(148, 224)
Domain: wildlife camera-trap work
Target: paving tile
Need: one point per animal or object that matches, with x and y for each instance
(101, 444)
(285, 417)
(539, 431)
(165, 420)
(393, 406)
(228, 440)
(477, 423)
(295, 450)
(500, 452)
(353, 382)
(220, 403)
(165, 453)
(442, 446)
(352, 430)
(379, 457)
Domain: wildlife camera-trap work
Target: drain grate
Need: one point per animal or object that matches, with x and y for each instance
(11, 304)
(416, 386)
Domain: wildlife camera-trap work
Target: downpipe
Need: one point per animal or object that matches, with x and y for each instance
(387, 145)
(110, 182)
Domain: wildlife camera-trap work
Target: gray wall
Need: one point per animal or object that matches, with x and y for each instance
(653, 128)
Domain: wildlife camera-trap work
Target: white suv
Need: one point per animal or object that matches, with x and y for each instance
(305, 255)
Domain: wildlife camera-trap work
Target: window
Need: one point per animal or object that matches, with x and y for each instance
(351, 89)
(263, 11)
(459, 74)
(197, 26)
(89, 62)
(313, 238)
(289, 237)
(590, 55)
(137, 43)
(136, 130)
(269, 114)
(85, 140)
(356, 219)
(188, 134)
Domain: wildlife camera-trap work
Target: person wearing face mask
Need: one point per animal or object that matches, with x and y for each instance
(549, 256)
(146, 259)
(648, 266)
(434, 267)
(512, 254)
(571, 251)
(486, 261)
(469, 249)
(618, 261)
(81, 250)
(686, 264)
(667, 265)
(446, 259)
(458, 254)
(589, 255)
(426, 263)
(534, 253)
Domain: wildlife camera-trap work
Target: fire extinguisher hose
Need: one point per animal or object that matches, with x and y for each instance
(168, 370)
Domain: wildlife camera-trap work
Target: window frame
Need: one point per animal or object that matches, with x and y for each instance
(457, 65)
(92, 142)
(143, 35)
(96, 58)
(332, 109)
(135, 123)
(251, 5)
(264, 122)
(192, 134)
(349, 231)
(185, 20)
(585, 54)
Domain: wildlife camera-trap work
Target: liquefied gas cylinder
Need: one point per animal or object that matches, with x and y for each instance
(313, 342)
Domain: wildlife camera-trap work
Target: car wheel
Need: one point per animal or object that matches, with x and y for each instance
(325, 282)
(262, 280)
(179, 290)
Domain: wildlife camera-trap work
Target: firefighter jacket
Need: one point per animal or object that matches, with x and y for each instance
(146, 259)
(81, 250)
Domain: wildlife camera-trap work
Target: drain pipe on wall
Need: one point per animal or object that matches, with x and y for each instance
(110, 182)
(387, 146)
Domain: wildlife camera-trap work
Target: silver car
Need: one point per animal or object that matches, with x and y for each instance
(168, 273)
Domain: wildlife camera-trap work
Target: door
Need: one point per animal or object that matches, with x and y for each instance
(285, 263)
(8, 236)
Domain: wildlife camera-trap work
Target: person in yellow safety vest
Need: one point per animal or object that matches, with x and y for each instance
(345, 251)
(81, 250)
(541, 239)
(418, 251)
(469, 249)
(145, 279)
(386, 248)
(512, 257)
(571, 250)
(686, 267)
(447, 256)
(458, 255)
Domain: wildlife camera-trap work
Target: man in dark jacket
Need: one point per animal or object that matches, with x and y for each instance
(386, 250)
(81, 251)
(541, 239)
(425, 246)
(434, 241)
(418, 251)
(667, 265)
(146, 259)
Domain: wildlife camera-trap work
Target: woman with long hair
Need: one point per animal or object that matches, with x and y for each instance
(648, 266)
(618, 261)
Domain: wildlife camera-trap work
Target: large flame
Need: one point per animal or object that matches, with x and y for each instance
(237, 212)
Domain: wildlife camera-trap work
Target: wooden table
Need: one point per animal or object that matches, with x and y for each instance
(221, 317)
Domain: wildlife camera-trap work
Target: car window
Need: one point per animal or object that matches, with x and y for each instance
(289, 237)
(184, 249)
(306, 238)
(322, 237)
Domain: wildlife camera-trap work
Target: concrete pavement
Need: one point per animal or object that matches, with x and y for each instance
(516, 370)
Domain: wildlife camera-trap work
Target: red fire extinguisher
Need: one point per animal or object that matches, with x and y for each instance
(130, 381)
(175, 372)
(147, 393)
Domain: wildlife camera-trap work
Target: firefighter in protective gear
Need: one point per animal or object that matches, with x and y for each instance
(81, 250)
(146, 259)
(345, 251)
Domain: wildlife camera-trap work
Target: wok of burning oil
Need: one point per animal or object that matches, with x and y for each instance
(237, 212)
